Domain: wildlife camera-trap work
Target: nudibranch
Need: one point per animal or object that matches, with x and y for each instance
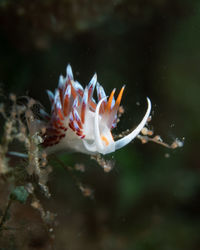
(79, 123)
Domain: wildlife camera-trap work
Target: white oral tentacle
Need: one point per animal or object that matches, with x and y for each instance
(96, 145)
(97, 136)
(124, 141)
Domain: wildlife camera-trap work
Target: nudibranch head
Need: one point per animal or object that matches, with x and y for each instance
(79, 123)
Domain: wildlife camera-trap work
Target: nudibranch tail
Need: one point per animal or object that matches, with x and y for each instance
(79, 123)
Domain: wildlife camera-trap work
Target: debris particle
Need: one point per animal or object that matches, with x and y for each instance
(167, 155)
(144, 131)
(86, 191)
(107, 165)
(177, 144)
(138, 103)
(80, 167)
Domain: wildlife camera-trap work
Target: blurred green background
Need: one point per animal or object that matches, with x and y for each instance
(147, 201)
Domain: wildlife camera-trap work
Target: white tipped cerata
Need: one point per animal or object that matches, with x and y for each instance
(79, 123)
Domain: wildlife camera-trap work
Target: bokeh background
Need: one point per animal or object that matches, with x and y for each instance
(148, 201)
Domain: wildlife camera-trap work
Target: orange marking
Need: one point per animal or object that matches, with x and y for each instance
(103, 138)
(61, 96)
(57, 123)
(117, 103)
(59, 112)
(66, 104)
(92, 104)
(108, 106)
(71, 125)
(89, 92)
(77, 120)
(73, 91)
(102, 108)
(80, 92)
(83, 109)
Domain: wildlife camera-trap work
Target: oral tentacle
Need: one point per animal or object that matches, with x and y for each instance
(124, 141)
(101, 94)
(96, 126)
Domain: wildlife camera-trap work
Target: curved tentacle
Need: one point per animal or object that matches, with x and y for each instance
(96, 126)
(125, 140)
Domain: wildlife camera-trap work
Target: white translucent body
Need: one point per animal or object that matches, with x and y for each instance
(95, 128)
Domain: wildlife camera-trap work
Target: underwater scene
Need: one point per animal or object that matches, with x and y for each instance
(99, 125)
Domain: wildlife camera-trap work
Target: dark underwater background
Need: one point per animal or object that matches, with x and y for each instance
(151, 198)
